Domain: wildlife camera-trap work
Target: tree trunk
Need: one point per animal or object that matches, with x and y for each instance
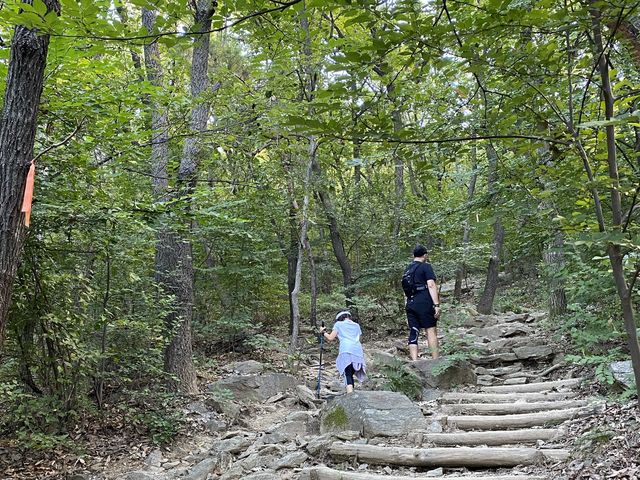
(398, 164)
(461, 271)
(455, 397)
(18, 123)
(554, 260)
(614, 251)
(485, 304)
(505, 422)
(326, 473)
(174, 261)
(313, 315)
(471, 457)
(304, 224)
(494, 438)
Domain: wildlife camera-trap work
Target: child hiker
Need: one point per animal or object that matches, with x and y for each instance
(350, 361)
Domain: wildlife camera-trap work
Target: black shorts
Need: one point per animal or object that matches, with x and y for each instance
(421, 312)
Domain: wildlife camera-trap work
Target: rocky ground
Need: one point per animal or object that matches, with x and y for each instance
(502, 405)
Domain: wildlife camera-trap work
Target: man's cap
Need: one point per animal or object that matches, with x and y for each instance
(419, 251)
(343, 314)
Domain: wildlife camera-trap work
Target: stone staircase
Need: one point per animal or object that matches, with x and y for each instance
(506, 427)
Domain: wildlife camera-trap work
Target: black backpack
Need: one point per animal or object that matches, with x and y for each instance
(409, 281)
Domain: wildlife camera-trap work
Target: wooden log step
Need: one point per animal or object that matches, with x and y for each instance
(462, 397)
(326, 473)
(470, 457)
(510, 408)
(523, 420)
(534, 387)
(492, 438)
(455, 397)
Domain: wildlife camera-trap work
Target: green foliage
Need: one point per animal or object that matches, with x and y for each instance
(337, 418)
(400, 379)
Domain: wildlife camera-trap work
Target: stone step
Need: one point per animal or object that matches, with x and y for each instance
(524, 420)
(510, 408)
(533, 387)
(470, 457)
(325, 473)
(460, 397)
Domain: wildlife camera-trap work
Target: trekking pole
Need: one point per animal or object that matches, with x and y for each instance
(320, 364)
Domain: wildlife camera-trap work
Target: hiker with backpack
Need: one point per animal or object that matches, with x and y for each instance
(350, 362)
(422, 302)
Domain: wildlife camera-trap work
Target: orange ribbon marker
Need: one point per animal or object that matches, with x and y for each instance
(28, 194)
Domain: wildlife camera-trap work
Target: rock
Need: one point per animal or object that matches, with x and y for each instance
(234, 444)
(500, 370)
(372, 413)
(515, 381)
(142, 475)
(623, 372)
(248, 367)
(486, 380)
(263, 458)
(263, 476)
(291, 429)
(429, 394)
(214, 425)
(306, 396)
(496, 357)
(378, 358)
(252, 388)
(202, 470)
(533, 352)
(154, 459)
(492, 333)
(229, 408)
(516, 330)
(233, 473)
(438, 472)
(347, 435)
(197, 407)
(294, 459)
(320, 444)
(442, 373)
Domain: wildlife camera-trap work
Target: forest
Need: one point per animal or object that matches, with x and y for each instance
(184, 182)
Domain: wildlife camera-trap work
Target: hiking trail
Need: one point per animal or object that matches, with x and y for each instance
(500, 416)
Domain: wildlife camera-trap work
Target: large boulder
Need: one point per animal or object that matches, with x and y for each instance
(533, 352)
(443, 373)
(252, 388)
(372, 413)
(623, 373)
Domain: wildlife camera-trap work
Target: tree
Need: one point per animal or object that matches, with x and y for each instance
(18, 124)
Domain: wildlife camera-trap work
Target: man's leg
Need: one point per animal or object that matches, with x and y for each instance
(432, 340)
(414, 333)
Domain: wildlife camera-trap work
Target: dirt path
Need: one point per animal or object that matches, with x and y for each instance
(509, 426)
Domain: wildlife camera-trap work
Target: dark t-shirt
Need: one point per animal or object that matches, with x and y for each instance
(423, 273)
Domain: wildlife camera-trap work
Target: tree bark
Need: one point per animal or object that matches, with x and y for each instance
(325, 473)
(446, 457)
(616, 256)
(485, 304)
(511, 408)
(18, 123)
(494, 438)
(461, 271)
(455, 397)
(534, 387)
(524, 420)
(174, 262)
(304, 224)
(554, 259)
